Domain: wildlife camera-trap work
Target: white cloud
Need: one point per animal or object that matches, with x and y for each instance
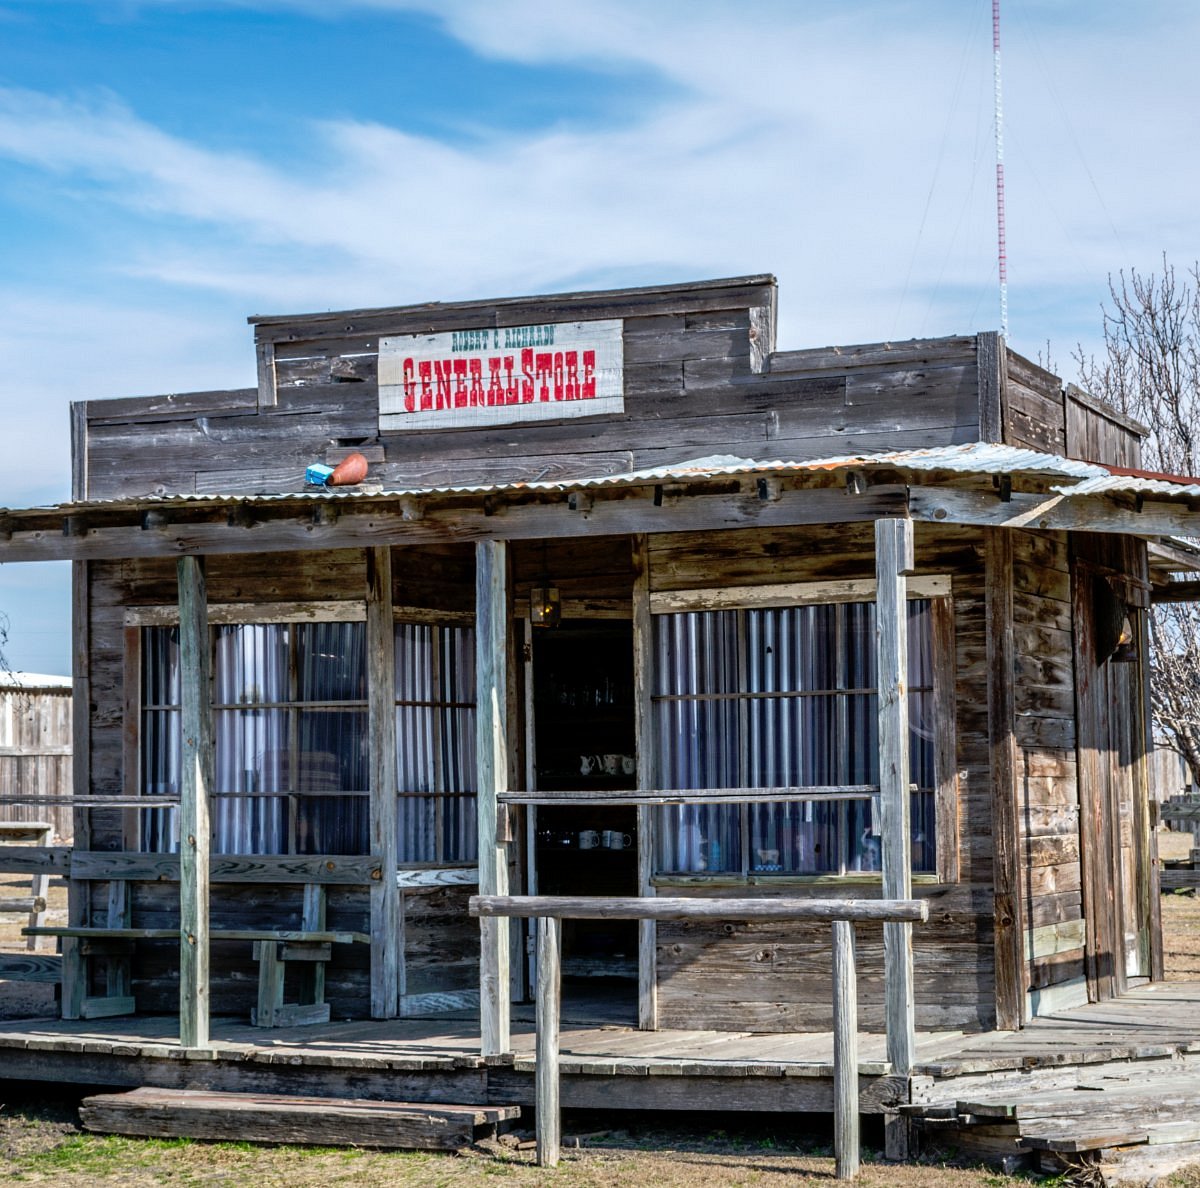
(805, 145)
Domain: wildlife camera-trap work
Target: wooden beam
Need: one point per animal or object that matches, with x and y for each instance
(491, 764)
(655, 797)
(644, 748)
(627, 907)
(991, 368)
(1176, 592)
(893, 560)
(376, 521)
(942, 505)
(845, 1052)
(74, 968)
(1002, 747)
(387, 937)
(196, 765)
(353, 870)
(549, 1004)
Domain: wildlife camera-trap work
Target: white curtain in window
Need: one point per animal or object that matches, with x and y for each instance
(782, 697)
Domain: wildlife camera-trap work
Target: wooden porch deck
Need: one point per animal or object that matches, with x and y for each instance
(606, 1062)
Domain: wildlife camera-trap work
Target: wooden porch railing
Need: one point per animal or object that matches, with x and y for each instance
(550, 911)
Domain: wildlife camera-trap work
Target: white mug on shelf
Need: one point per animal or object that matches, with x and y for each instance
(628, 765)
(614, 839)
(589, 839)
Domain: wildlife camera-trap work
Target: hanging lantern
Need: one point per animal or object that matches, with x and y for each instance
(545, 606)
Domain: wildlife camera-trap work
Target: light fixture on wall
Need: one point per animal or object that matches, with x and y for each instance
(545, 605)
(1126, 650)
(1115, 636)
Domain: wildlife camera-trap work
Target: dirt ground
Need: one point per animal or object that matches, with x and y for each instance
(41, 1141)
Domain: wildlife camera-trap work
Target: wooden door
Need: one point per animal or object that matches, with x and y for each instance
(1111, 742)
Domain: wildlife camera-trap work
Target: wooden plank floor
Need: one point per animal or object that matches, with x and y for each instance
(1153, 1021)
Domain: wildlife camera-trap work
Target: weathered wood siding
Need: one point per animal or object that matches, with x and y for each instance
(764, 977)
(35, 754)
(1033, 407)
(701, 378)
(1047, 788)
(1098, 433)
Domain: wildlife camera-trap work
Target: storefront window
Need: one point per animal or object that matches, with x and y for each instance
(783, 697)
(290, 716)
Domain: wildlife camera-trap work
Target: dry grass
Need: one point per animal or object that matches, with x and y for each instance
(1181, 936)
(40, 1143)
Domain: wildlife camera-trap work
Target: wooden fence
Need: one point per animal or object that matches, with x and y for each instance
(550, 911)
(35, 754)
(1184, 812)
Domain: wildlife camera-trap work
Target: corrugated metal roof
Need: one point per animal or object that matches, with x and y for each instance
(1119, 484)
(33, 680)
(971, 458)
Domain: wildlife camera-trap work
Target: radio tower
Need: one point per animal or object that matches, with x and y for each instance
(1002, 254)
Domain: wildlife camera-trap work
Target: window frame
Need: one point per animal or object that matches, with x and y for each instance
(264, 614)
(937, 589)
(437, 621)
(240, 614)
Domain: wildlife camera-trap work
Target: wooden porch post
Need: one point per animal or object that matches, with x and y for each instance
(893, 560)
(491, 763)
(387, 939)
(643, 660)
(196, 771)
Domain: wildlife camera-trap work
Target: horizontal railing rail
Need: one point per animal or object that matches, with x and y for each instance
(841, 914)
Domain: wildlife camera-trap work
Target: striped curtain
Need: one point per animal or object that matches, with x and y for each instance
(782, 697)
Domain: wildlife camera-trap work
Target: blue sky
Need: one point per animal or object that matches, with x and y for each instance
(168, 167)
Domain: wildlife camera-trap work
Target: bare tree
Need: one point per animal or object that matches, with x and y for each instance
(1151, 371)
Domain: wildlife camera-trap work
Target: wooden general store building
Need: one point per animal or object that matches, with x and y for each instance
(347, 695)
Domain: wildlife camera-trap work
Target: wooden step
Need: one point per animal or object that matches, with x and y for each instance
(278, 1118)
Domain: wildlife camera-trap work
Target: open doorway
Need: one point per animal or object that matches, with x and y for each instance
(583, 721)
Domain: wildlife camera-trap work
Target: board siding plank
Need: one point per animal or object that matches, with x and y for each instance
(1009, 959)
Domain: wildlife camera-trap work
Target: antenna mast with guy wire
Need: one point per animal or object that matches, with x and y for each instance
(1002, 254)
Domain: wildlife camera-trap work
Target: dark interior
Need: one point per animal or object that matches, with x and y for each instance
(584, 723)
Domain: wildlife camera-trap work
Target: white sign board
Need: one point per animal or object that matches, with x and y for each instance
(501, 376)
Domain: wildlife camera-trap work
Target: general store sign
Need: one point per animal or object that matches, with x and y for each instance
(501, 376)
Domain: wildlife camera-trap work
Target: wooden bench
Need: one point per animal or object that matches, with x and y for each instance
(40, 833)
(310, 945)
(272, 948)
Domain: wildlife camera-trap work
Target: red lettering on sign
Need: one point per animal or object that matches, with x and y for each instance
(511, 390)
(410, 387)
(495, 391)
(441, 375)
(542, 367)
(588, 387)
(460, 383)
(571, 361)
(476, 396)
(477, 379)
(425, 372)
(527, 376)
